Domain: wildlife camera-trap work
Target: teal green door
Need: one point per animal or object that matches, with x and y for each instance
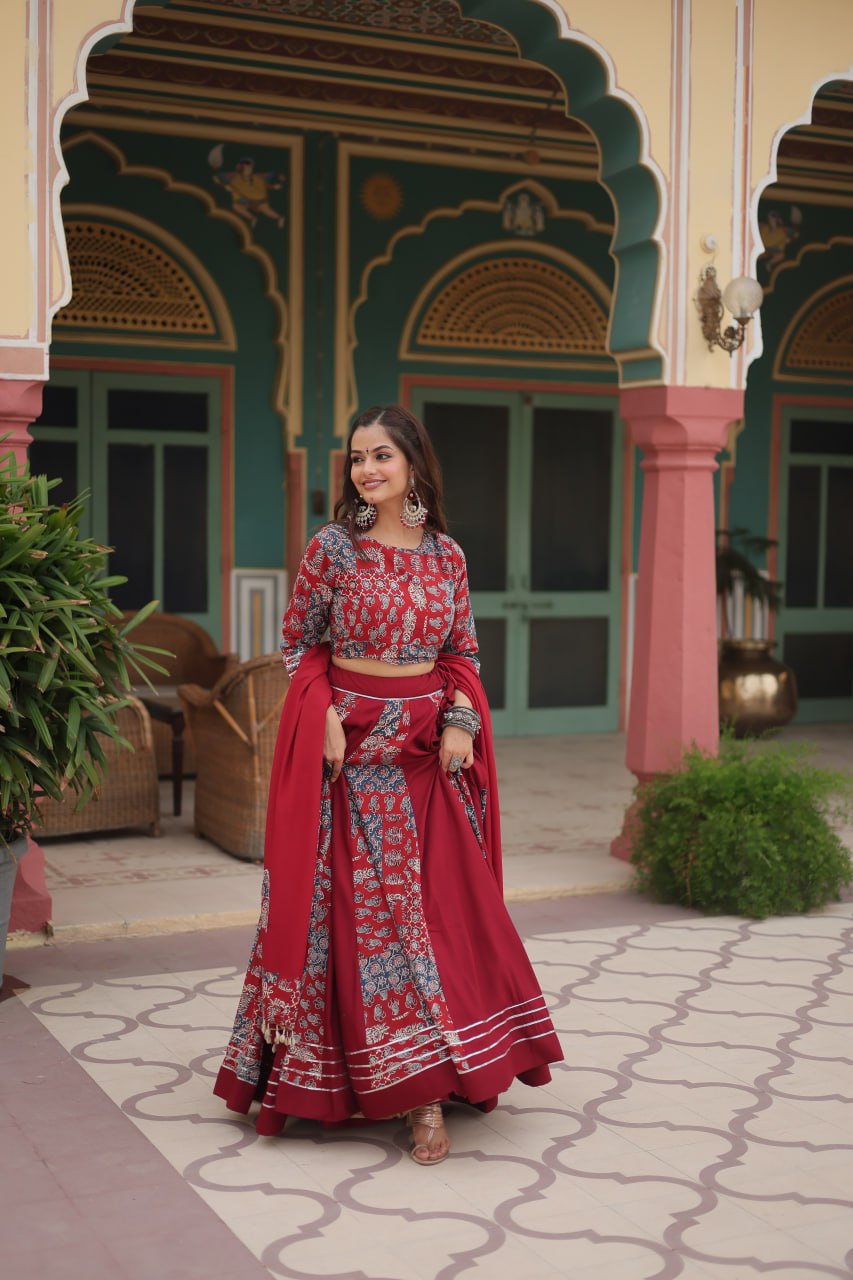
(148, 449)
(531, 488)
(815, 626)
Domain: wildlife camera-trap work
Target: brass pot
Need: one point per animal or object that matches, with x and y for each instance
(756, 691)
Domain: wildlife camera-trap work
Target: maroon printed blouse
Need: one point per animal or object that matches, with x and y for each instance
(388, 603)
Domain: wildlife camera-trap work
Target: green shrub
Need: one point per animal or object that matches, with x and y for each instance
(748, 832)
(65, 656)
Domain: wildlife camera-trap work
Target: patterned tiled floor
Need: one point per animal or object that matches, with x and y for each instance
(701, 1125)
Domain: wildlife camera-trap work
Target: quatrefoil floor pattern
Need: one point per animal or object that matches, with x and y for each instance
(701, 1125)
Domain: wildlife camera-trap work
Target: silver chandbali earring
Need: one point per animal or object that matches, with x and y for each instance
(364, 513)
(414, 513)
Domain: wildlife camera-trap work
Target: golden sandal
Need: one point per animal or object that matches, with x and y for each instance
(432, 1118)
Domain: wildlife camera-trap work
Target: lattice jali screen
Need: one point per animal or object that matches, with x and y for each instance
(122, 281)
(516, 304)
(824, 341)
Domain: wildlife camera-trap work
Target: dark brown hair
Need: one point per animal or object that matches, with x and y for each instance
(409, 434)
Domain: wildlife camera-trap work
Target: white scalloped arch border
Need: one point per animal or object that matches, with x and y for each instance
(772, 176)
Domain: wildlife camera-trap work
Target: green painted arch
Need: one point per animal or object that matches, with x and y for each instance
(627, 172)
(422, 257)
(102, 172)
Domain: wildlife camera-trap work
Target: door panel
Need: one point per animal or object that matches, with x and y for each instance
(474, 443)
(492, 639)
(185, 490)
(570, 500)
(148, 448)
(568, 662)
(530, 485)
(476, 492)
(61, 446)
(130, 521)
(803, 556)
(815, 625)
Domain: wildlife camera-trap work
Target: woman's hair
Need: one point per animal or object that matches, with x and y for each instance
(409, 434)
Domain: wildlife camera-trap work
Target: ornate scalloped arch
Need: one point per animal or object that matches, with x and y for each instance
(543, 34)
(761, 187)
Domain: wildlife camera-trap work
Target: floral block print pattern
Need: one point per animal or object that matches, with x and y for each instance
(397, 1003)
(389, 603)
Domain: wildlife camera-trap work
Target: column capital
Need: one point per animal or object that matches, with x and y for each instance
(20, 405)
(675, 426)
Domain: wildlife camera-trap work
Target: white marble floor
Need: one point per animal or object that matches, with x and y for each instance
(699, 1127)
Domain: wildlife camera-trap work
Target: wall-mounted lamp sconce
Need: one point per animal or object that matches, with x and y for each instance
(742, 297)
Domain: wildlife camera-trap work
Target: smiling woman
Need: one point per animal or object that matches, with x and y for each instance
(386, 975)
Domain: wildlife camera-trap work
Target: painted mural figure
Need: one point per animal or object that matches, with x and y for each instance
(777, 234)
(249, 191)
(524, 215)
(386, 976)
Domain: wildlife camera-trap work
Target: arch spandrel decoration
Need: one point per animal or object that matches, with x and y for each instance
(824, 341)
(514, 304)
(817, 345)
(125, 283)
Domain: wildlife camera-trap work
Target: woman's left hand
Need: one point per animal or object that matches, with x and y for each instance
(455, 742)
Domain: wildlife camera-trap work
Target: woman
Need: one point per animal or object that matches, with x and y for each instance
(386, 975)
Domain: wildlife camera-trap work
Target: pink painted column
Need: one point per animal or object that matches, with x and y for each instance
(674, 697)
(20, 405)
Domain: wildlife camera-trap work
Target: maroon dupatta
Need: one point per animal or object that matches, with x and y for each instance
(293, 818)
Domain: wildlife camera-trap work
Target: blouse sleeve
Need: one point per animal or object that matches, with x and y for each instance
(462, 638)
(307, 615)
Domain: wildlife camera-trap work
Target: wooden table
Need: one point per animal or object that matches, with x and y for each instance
(163, 704)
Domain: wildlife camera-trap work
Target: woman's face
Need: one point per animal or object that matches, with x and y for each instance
(379, 468)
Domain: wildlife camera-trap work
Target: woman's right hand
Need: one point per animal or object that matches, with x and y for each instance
(334, 744)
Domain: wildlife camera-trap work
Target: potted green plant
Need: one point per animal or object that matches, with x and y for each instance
(65, 659)
(751, 831)
(757, 692)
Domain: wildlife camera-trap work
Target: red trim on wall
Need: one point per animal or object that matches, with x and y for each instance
(410, 381)
(629, 455)
(225, 374)
(295, 518)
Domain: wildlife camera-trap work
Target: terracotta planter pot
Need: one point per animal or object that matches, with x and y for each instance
(757, 692)
(8, 870)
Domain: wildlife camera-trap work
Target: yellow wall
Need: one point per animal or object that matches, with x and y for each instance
(73, 20)
(709, 178)
(794, 50)
(637, 38)
(797, 48)
(25, 102)
(16, 161)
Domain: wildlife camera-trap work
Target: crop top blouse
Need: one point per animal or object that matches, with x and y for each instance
(387, 603)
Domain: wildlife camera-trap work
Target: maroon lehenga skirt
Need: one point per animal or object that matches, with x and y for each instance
(416, 985)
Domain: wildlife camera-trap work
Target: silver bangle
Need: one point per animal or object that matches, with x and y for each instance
(462, 718)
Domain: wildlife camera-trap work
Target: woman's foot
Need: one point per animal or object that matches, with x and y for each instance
(430, 1141)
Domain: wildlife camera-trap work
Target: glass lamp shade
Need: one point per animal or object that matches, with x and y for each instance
(743, 296)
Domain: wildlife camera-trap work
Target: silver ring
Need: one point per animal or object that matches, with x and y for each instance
(455, 764)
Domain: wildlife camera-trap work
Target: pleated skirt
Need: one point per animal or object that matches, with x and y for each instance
(416, 985)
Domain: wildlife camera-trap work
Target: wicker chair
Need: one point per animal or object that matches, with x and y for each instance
(234, 726)
(196, 661)
(129, 795)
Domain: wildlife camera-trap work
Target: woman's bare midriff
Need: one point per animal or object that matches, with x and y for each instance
(374, 667)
